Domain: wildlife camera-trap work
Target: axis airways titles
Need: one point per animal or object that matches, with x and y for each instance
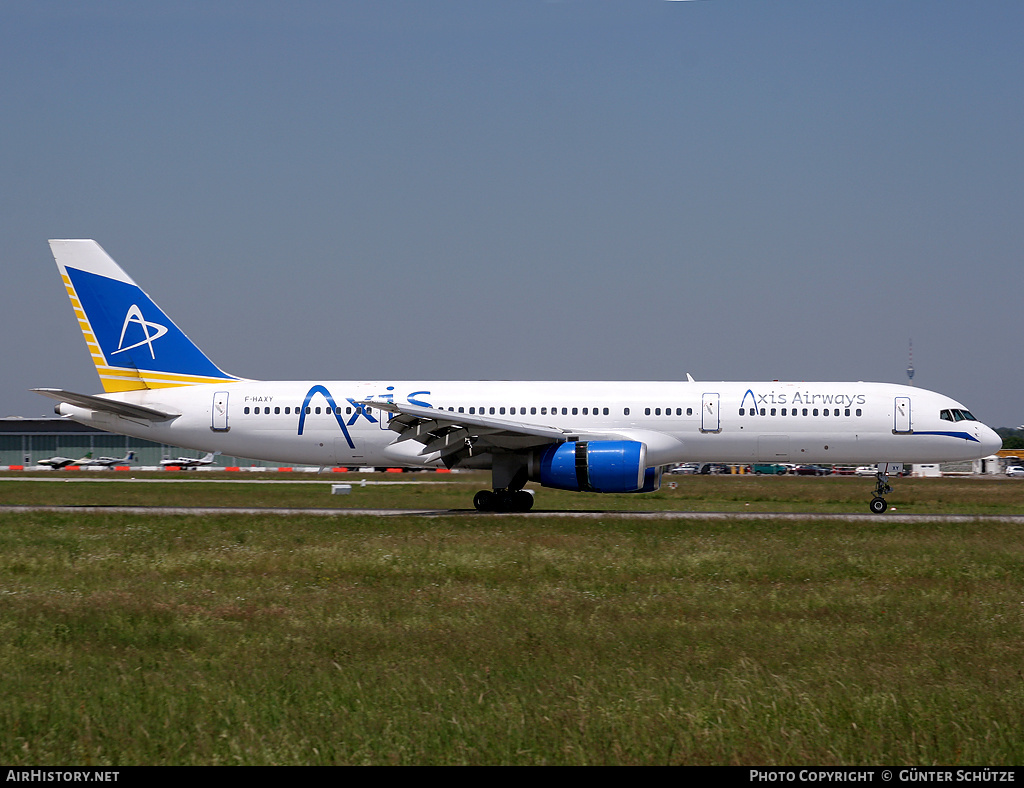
(773, 397)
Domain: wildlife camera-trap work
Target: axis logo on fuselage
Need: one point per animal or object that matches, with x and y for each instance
(334, 409)
(134, 316)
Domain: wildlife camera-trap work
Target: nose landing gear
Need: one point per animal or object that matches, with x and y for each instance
(878, 504)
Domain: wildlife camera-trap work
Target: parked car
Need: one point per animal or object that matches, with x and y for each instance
(811, 470)
(1015, 470)
(866, 470)
(774, 468)
(686, 467)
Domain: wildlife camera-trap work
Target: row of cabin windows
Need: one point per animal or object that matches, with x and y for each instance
(500, 411)
(288, 410)
(565, 411)
(797, 412)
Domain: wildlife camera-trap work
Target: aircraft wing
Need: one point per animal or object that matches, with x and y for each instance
(107, 405)
(459, 435)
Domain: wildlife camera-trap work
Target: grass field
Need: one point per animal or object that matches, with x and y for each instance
(491, 639)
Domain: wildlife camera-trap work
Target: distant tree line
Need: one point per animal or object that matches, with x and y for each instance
(1012, 439)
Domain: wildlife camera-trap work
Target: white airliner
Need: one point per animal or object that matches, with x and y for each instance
(602, 437)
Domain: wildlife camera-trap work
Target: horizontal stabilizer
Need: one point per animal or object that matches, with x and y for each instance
(107, 405)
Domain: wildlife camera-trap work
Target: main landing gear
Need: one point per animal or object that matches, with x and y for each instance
(878, 504)
(503, 501)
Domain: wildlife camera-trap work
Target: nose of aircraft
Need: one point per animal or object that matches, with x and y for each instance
(990, 440)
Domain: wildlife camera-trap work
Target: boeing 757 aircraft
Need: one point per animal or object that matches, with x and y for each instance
(600, 437)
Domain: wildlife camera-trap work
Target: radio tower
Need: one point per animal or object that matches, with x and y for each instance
(910, 366)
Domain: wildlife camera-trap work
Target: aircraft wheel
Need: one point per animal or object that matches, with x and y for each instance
(523, 501)
(878, 505)
(485, 501)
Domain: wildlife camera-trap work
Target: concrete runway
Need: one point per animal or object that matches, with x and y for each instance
(161, 511)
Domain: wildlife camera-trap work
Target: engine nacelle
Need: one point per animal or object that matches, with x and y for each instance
(597, 466)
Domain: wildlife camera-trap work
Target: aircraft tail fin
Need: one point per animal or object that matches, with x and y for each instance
(133, 344)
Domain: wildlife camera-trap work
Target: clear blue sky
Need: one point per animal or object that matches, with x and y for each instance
(582, 190)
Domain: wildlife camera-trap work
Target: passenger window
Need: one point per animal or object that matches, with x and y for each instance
(647, 411)
(625, 411)
(689, 411)
(743, 411)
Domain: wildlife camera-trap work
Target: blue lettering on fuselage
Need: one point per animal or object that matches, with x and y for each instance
(318, 389)
(418, 403)
(797, 398)
(357, 411)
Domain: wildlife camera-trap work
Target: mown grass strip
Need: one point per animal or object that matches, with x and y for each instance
(501, 640)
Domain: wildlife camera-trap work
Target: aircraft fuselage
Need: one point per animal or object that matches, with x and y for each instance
(320, 423)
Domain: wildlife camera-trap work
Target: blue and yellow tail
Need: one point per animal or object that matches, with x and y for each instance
(133, 344)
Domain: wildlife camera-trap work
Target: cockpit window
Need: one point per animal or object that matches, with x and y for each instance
(956, 414)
